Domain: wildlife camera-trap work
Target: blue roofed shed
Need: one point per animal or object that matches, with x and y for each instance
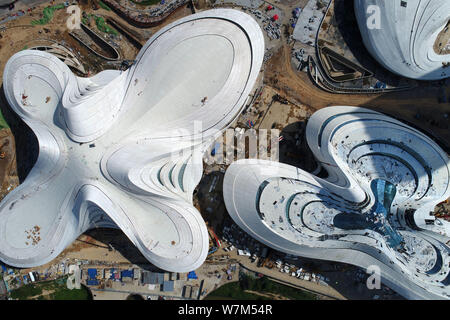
(92, 273)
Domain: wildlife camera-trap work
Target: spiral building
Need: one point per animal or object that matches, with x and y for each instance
(373, 209)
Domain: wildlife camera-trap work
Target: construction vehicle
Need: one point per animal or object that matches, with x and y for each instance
(280, 99)
(212, 250)
(264, 262)
(214, 238)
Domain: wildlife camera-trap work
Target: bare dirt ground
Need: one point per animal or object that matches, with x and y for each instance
(442, 210)
(179, 13)
(442, 43)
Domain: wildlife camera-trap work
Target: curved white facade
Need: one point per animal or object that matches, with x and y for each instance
(373, 208)
(407, 31)
(124, 149)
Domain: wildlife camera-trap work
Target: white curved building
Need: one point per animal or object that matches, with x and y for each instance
(124, 149)
(374, 208)
(404, 38)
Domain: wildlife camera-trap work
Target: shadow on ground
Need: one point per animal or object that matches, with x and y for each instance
(27, 146)
(120, 242)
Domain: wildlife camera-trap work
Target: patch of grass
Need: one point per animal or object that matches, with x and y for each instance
(104, 5)
(48, 14)
(25, 292)
(103, 26)
(236, 290)
(3, 123)
(58, 288)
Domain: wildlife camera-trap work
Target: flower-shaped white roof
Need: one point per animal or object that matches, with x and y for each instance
(124, 149)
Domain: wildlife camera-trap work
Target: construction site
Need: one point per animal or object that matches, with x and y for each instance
(324, 64)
